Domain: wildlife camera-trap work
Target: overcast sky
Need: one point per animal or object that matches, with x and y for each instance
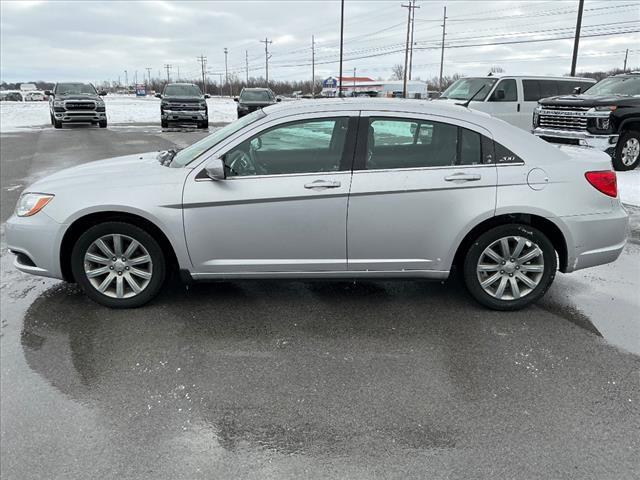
(99, 40)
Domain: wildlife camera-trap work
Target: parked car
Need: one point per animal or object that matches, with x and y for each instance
(75, 102)
(251, 99)
(11, 96)
(34, 96)
(606, 117)
(510, 98)
(183, 103)
(350, 188)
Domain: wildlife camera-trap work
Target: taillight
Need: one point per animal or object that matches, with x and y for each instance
(604, 181)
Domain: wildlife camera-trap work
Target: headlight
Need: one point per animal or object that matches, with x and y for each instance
(603, 123)
(58, 103)
(31, 203)
(605, 108)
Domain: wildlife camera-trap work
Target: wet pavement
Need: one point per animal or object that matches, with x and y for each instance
(310, 379)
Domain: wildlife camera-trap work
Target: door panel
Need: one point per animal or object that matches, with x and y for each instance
(414, 218)
(283, 206)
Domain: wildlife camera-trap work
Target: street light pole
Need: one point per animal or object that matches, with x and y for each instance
(341, 45)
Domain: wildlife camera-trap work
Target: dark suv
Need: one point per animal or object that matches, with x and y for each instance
(254, 98)
(606, 116)
(183, 103)
(74, 102)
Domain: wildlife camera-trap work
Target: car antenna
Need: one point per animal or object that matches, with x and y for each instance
(466, 104)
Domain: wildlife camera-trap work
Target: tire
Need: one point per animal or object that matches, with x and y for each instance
(164, 124)
(203, 125)
(627, 153)
(51, 118)
(57, 123)
(102, 123)
(148, 284)
(481, 267)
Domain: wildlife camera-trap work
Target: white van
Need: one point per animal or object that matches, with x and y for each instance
(511, 98)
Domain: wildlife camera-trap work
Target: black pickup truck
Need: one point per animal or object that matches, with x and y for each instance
(75, 102)
(606, 117)
(183, 103)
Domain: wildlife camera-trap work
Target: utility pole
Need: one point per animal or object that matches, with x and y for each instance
(135, 77)
(178, 67)
(341, 45)
(409, 8)
(203, 65)
(246, 65)
(624, 69)
(354, 81)
(266, 42)
(126, 79)
(444, 27)
(413, 18)
(168, 67)
(226, 70)
(148, 69)
(574, 60)
(313, 67)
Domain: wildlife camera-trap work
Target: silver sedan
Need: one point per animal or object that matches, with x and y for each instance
(362, 188)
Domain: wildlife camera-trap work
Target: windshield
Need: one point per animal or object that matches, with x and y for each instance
(255, 96)
(182, 91)
(75, 89)
(616, 86)
(464, 88)
(189, 154)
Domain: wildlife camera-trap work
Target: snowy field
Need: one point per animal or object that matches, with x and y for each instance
(20, 116)
(123, 109)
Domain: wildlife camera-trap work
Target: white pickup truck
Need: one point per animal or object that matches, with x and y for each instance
(510, 98)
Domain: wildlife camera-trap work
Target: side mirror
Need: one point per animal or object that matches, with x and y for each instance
(102, 93)
(206, 95)
(158, 95)
(235, 99)
(278, 99)
(500, 94)
(577, 90)
(215, 169)
(48, 93)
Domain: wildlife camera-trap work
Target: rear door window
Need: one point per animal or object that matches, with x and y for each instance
(548, 88)
(531, 90)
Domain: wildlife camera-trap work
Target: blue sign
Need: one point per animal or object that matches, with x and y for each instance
(330, 82)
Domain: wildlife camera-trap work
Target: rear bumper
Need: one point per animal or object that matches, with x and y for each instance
(597, 239)
(605, 143)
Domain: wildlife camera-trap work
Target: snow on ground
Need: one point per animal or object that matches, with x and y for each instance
(629, 186)
(18, 116)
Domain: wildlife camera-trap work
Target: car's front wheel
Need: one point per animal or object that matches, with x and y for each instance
(510, 266)
(118, 265)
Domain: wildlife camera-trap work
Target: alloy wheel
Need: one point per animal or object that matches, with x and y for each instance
(510, 268)
(118, 266)
(630, 151)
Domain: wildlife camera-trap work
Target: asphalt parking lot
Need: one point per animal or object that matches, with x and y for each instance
(309, 379)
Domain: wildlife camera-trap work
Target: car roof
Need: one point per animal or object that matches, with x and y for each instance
(533, 77)
(257, 88)
(181, 83)
(382, 104)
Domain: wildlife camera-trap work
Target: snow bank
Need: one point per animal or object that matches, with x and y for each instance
(629, 186)
(18, 116)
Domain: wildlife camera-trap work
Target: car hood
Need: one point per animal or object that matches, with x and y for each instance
(120, 172)
(78, 97)
(184, 99)
(586, 100)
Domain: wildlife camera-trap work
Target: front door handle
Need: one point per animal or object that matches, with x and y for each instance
(463, 177)
(322, 184)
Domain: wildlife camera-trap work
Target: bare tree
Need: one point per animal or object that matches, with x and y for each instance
(397, 72)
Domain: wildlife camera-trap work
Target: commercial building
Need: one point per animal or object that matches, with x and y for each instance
(360, 86)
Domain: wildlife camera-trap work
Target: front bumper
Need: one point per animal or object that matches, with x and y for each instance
(597, 238)
(80, 116)
(36, 242)
(605, 143)
(184, 115)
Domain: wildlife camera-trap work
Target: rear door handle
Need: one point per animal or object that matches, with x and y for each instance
(322, 184)
(463, 177)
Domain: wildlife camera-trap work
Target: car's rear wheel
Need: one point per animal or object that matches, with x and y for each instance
(118, 265)
(627, 154)
(510, 267)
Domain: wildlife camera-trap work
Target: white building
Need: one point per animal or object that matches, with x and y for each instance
(27, 87)
(356, 86)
